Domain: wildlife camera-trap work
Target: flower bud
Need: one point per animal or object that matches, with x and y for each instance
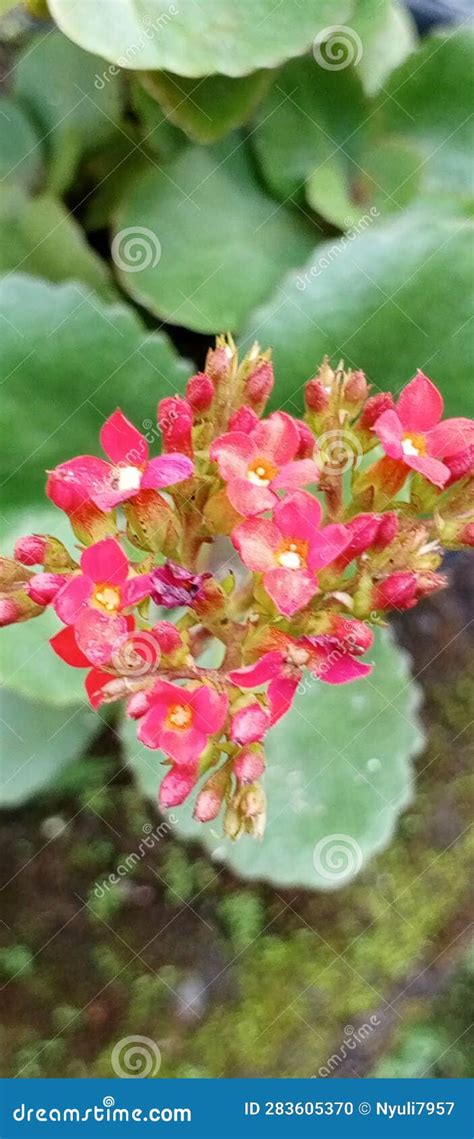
(467, 535)
(208, 805)
(354, 635)
(363, 529)
(200, 392)
(259, 386)
(398, 591)
(176, 786)
(218, 363)
(307, 442)
(10, 612)
(167, 635)
(387, 531)
(316, 396)
(249, 764)
(249, 723)
(175, 421)
(375, 406)
(31, 550)
(356, 390)
(43, 587)
(460, 464)
(138, 705)
(253, 808)
(243, 420)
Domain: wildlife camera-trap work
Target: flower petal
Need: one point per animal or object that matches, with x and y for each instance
(328, 544)
(299, 516)
(253, 675)
(248, 498)
(420, 405)
(290, 589)
(276, 437)
(339, 668)
(210, 709)
(99, 634)
(302, 472)
(431, 469)
(122, 442)
(65, 646)
(94, 685)
(105, 562)
(166, 471)
(389, 429)
(231, 452)
(72, 598)
(256, 540)
(451, 437)
(281, 693)
(183, 747)
(75, 482)
(135, 590)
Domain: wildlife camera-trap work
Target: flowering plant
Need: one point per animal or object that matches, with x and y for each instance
(238, 549)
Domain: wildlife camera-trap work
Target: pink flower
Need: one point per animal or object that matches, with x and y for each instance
(93, 601)
(181, 720)
(258, 464)
(413, 433)
(88, 479)
(326, 657)
(289, 549)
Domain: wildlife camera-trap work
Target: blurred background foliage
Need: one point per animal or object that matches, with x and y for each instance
(320, 209)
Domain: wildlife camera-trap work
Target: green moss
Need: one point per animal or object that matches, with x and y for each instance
(243, 914)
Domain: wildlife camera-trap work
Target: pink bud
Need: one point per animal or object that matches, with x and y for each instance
(376, 404)
(387, 531)
(249, 724)
(259, 386)
(249, 765)
(243, 420)
(200, 391)
(356, 388)
(460, 464)
(218, 362)
(355, 635)
(138, 704)
(307, 441)
(176, 786)
(167, 635)
(9, 611)
(208, 805)
(398, 591)
(43, 587)
(175, 420)
(316, 396)
(31, 550)
(467, 535)
(364, 529)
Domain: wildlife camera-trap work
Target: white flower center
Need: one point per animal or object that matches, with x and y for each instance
(408, 447)
(258, 476)
(180, 716)
(129, 478)
(290, 558)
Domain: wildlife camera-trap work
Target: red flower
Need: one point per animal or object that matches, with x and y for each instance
(289, 549)
(181, 720)
(93, 601)
(413, 433)
(258, 464)
(88, 479)
(327, 658)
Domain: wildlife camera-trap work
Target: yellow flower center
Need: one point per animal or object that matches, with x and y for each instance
(261, 472)
(107, 597)
(292, 555)
(414, 444)
(179, 717)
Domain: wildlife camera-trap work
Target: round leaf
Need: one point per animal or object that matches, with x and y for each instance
(20, 147)
(338, 775)
(37, 742)
(210, 109)
(212, 242)
(190, 39)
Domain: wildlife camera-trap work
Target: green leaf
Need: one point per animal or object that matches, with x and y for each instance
(68, 360)
(338, 776)
(20, 147)
(38, 742)
(28, 664)
(210, 109)
(224, 242)
(64, 90)
(392, 299)
(42, 238)
(387, 35)
(157, 133)
(189, 39)
(415, 139)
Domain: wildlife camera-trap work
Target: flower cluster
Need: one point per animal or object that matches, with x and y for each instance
(276, 542)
